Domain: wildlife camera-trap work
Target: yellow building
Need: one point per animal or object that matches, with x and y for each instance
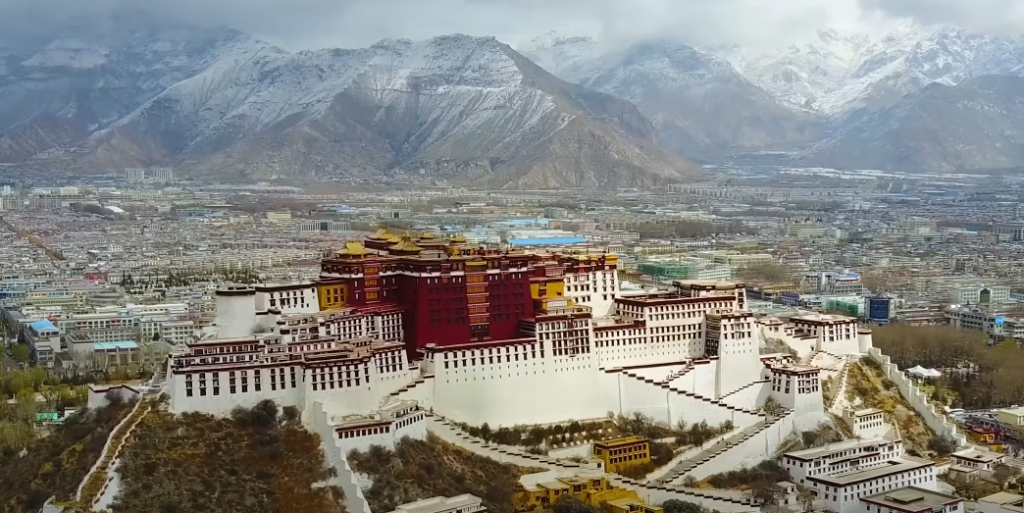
(632, 506)
(591, 490)
(620, 453)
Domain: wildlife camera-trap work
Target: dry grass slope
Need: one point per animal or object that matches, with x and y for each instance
(419, 469)
(199, 464)
(56, 464)
(867, 383)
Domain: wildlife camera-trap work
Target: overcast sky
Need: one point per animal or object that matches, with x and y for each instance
(302, 24)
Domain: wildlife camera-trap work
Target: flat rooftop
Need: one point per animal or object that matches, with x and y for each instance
(979, 456)
(911, 499)
(865, 413)
(466, 502)
(895, 466)
(825, 451)
(1005, 500)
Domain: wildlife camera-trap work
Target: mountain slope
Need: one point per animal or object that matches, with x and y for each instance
(700, 106)
(842, 75)
(451, 108)
(54, 94)
(978, 124)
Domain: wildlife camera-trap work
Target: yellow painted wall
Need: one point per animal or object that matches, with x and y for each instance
(331, 296)
(623, 453)
(593, 492)
(552, 289)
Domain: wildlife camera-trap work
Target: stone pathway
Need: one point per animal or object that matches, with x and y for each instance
(685, 466)
(723, 500)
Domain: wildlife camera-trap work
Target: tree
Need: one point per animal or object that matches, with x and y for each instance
(573, 505)
(772, 407)
(1003, 474)
(766, 491)
(21, 353)
(806, 497)
(678, 506)
(767, 273)
(942, 445)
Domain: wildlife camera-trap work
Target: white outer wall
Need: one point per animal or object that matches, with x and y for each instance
(917, 399)
(751, 397)
(865, 341)
(635, 395)
(537, 391)
(346, 479)
(701, 380)
(739, 363)
(756, 449)
(98, 397)
(236, 315)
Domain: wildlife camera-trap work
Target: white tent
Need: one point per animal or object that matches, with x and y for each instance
(922, 372)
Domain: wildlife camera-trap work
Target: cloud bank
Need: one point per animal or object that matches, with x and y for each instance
(305, 24)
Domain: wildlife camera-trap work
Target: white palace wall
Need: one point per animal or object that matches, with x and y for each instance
(534, 391)
(750, 452)
(701, 380)
(917, 399)
(666, 405)
(750, 397)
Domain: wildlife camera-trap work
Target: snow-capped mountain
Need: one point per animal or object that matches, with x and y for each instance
(53, 94)
(699, 104)
(977, 124)
(453, 107)
(843, 74)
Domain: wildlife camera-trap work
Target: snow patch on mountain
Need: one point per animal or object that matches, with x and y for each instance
(254, 87)
(839, 73)
(68, 53)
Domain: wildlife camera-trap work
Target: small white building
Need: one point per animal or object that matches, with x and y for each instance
(389, 425)
(839, 458)
(464, 503)
(866, 424)
(797, 387)
(974, 463)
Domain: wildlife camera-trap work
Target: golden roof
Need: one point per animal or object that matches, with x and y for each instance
(406, 244)
(458, 238)
(426, 235)
(382, 234)
(354, 248)
(393, 238)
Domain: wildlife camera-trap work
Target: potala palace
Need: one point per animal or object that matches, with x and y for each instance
(398, 330)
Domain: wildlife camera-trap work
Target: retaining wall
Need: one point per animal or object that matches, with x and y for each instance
(917, 399)
(355, 502)
(750, 452)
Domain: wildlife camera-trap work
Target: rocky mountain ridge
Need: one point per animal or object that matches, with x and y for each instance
(700, 106)
(453, 108)
(842, 74)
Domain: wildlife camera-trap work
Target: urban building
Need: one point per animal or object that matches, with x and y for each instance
(976, 463)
